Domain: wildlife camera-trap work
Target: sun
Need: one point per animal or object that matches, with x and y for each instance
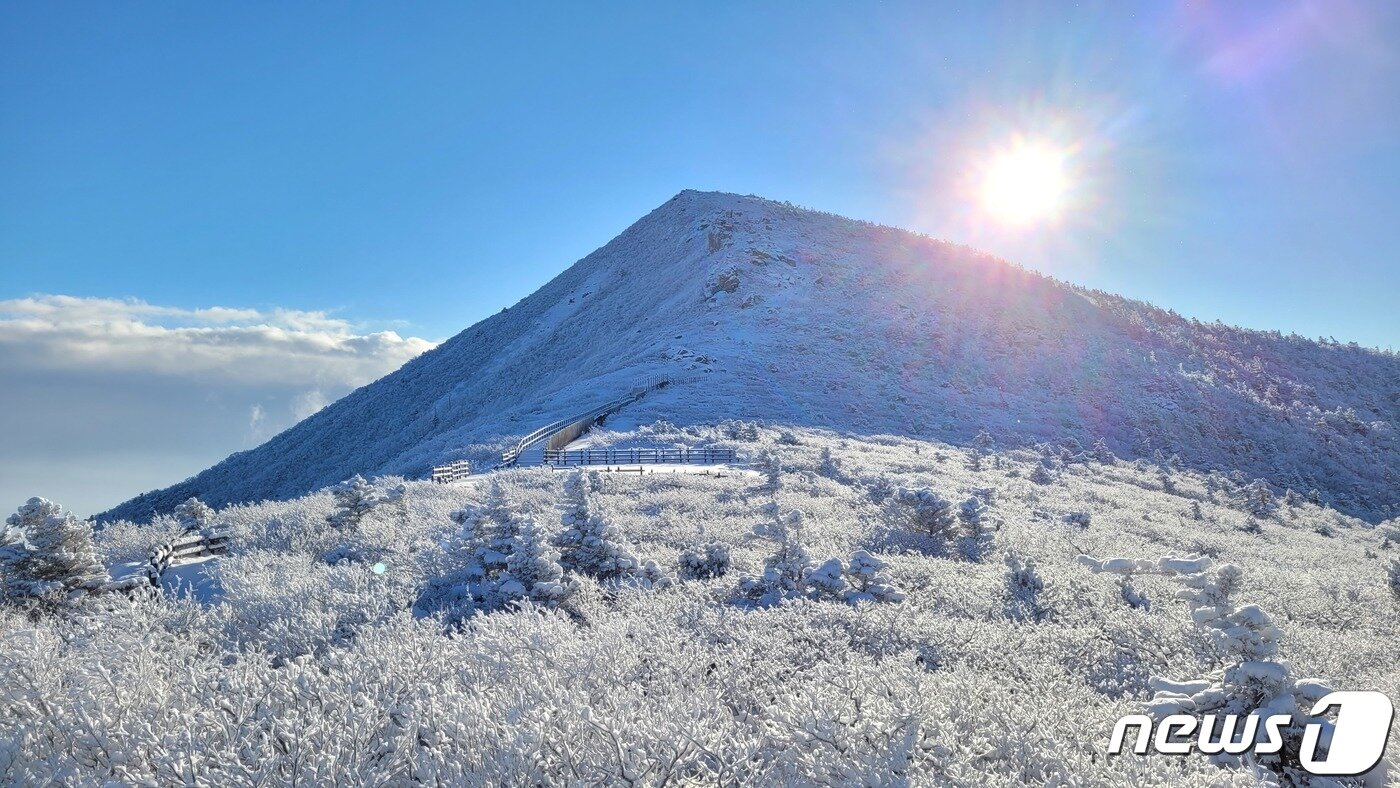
(1025, 184)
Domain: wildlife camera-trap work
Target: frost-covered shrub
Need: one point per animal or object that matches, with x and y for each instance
(785, 571)
(1251, 684)
(48, 554)
(1078, 519)
(589, 544)
(1023, 587)
(1041, 474)
(532, 571)
(927, 514)
(866, 581)
(355, 498)
(978, 538)
(1394, 577)
(1258, 498)
(984, 443)
(194, 516)
(830, 466)
(770, 465)
(1102, 453)
(707, 561)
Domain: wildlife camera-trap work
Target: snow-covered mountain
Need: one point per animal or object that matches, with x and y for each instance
(759, 310)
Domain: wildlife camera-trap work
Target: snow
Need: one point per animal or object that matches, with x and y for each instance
(917, 684)
(868, 330)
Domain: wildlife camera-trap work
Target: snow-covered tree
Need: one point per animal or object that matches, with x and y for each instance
(532, 571)
(704, 562)
(48, 554)
(927, 513)
(194, 516)
(1102, 453)
(984, 443)
(827, 581)
(866, 581)
(1394, 576)
(977, 541)
(589, 544)
(1258, 498)
(770, 465)
(1078, 519)
(830, 466)
(785, 571)
(354, 499)
(1041, 473)
(1023, 586)
(1196, 513)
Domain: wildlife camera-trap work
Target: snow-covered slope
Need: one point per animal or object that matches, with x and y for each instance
(759, 310)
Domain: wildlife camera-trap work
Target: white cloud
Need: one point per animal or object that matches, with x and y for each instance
(244, 346)
(90, 381)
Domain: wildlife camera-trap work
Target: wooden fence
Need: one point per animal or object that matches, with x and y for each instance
(452, 472)
(704, 455)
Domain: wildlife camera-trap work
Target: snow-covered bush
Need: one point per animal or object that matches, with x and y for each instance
(1041, 474)
(1023, 588)
(355, 498)
(706, 561)
(1258, 498)
(926, 513)
(1394, 577)
(47, 554)
(589, 544)
(785, 571)
(532, 571)
(194, 516)
(770, 465)
(866, 581)
(1251, 682)
(978, 538)
(1102, 453)
(1078, 519)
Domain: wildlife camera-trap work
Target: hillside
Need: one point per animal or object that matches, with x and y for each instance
(761, 311)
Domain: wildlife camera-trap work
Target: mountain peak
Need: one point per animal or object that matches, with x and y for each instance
(760, 310)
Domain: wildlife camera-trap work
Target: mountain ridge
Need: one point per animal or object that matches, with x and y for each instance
(763, 311)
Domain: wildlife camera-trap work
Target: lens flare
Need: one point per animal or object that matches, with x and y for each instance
(1024, 184)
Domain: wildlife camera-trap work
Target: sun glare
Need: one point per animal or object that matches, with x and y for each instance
(1024, 184)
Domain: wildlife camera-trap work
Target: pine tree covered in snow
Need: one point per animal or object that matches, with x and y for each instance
(1258, 499)
(1394, 576)
(354, 499)
(866, 581)
(50, 554)
(706, 561)
(532, 571)
(1024, 586)
(589, 544)
(927, 514)
(194, 516)
(978, 540)
(785, 571)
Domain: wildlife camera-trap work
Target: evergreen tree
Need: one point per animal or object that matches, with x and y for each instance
(1102, 453)
(49, 553)
(354, 498)
(867, 582)
(1024, 586)
(707, 561)
(925, 512)
(785, 571)
(194, 516)
(532, 569)
(588, 543)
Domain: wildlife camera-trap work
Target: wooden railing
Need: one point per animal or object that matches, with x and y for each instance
(452, 472)
(183, 549)
(512, 454)
(705, 455)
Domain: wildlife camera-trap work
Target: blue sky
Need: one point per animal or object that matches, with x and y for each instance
(414, 167)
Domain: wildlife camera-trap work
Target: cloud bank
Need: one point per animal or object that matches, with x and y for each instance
(105, 398)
